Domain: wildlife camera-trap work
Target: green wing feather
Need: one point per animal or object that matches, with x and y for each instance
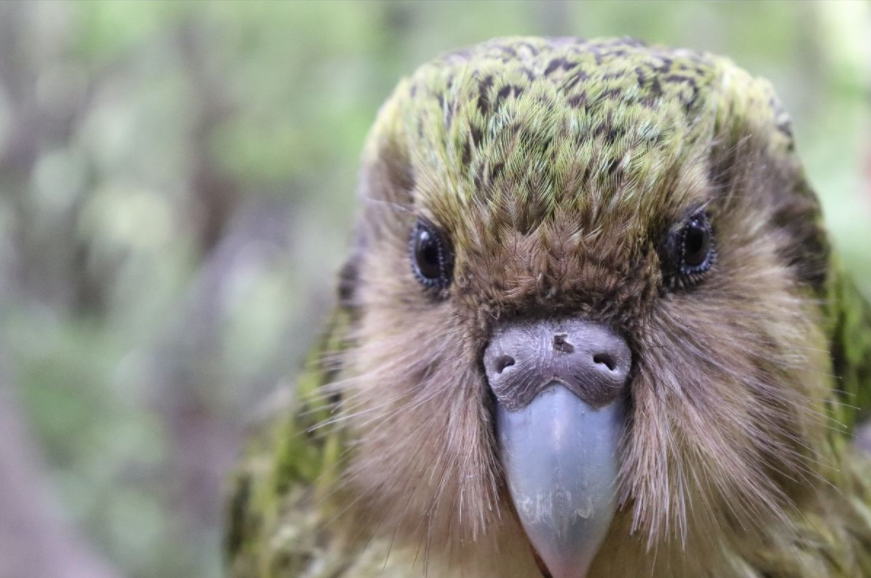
(832, 536)
(850, 317)
(831, 539)
(283, 503)
(278, 505)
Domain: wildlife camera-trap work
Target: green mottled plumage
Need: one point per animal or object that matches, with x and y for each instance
(496, 141)
(557, 115)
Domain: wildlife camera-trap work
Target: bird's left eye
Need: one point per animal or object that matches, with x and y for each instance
(689, 252)
(431, 257)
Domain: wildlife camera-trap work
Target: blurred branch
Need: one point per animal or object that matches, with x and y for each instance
(214, 193)
(51, 260)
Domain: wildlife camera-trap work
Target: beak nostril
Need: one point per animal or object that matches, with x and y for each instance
(502, 362)
(606, 360)
(561, 343)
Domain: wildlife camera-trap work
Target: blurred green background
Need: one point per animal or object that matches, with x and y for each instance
(176, 189)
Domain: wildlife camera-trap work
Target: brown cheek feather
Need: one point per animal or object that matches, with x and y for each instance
(423, 469)
(728, 404)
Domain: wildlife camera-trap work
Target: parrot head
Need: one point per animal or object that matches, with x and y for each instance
(585, 297)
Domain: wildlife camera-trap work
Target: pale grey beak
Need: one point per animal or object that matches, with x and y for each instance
(561, 460)
(560, 389)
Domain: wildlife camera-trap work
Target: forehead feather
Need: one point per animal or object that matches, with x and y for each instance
(511, 132)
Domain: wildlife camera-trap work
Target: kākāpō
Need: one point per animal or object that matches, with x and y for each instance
(591, 325)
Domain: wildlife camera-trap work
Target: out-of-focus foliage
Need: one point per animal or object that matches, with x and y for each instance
(176, 189)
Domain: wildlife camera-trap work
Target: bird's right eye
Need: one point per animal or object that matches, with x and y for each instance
(431, 256)
(688, 252)
(696, 246)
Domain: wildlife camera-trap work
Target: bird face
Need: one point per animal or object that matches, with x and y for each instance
(584, 297)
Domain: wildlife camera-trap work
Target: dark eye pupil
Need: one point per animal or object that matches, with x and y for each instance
(688, 252)
(697, 244)
(426, 253)
(431, 257)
